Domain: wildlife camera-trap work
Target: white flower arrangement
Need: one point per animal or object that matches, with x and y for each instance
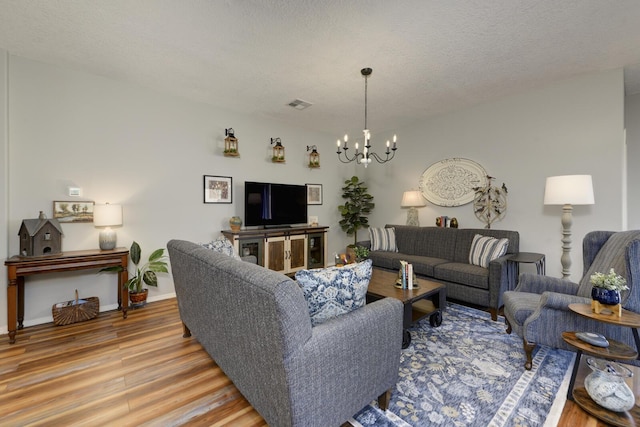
(610, 281)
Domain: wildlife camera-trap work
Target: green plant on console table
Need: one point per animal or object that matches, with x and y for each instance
(145, 273)
(357, 206)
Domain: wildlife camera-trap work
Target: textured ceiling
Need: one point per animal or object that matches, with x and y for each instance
(255, 56)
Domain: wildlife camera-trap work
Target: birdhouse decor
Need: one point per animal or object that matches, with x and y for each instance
(40, 236)
(230, 144)
(314, 157)
(278, 151)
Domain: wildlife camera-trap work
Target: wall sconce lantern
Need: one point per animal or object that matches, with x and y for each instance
(314, 157)
(230, 144)
(278, 151)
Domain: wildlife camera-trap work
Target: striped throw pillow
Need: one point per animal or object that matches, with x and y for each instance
(383, 239)
(485, 249)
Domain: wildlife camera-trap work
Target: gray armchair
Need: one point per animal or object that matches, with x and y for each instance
(255, 325)
(538, 309)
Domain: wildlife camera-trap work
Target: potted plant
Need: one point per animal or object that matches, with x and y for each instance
(361, 252)
(606, 287)
(144, 274)
(355, 209)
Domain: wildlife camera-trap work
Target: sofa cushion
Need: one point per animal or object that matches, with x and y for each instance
(466, 274)
(435, 242)
(383, 239)
(333, 291)
(485, 249)
(223, 246)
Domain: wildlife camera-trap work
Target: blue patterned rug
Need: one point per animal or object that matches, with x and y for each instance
(469, 372)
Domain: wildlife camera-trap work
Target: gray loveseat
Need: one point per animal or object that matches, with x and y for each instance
(442, 255)
(255, 325)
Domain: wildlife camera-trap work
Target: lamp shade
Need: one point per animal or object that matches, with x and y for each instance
(107, 215)
(412, 198)
(569, 190)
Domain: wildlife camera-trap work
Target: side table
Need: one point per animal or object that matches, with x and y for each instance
(615, 351)
(18, 267)
(530, 258)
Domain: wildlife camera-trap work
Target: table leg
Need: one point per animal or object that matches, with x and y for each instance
(574, 373)
(123, 291)
(20, 285)
(12, 303)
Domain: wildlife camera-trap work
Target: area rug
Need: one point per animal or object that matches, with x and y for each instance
(469, 372)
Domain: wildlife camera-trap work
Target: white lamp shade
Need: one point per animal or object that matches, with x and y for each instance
(569, 190)
(412, 198)
(107, 215)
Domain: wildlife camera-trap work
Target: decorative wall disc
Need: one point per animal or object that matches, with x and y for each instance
(450, 182)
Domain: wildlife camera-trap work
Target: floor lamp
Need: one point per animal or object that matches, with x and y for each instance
(568, 190)
(412, 199)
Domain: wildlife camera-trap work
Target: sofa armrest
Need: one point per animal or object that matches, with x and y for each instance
(559, 301)
(536, 284)
(364, 243)
(502, 278)
(358, 352)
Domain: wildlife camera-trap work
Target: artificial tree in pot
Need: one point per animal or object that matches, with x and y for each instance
(144, 274)
(354, 211)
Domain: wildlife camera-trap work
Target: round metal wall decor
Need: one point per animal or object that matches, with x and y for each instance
(450, 182)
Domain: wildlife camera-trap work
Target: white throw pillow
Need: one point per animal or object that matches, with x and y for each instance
(222, 245)
(383, 239)
(333, 291)
(485, 249)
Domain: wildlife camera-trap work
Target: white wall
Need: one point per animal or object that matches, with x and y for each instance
(632, 125)
(148, 151)
(571, 127)
(4, 201)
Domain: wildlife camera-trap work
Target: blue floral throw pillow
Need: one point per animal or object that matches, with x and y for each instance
(222, 245)
(333, 291)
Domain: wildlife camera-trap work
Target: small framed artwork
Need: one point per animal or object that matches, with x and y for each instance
(314, 194)
(218, 189)
(70, 212)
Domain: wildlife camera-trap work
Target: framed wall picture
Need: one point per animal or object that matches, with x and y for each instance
(314, 194)
(218, 189)
(73, 211)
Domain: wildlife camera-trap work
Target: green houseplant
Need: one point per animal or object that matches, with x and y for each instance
(354, 211)
(144, 274)
(606, 287)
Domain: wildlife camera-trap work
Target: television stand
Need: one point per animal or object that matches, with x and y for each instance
(283, 249)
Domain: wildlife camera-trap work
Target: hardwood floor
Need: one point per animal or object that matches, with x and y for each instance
(138, 371)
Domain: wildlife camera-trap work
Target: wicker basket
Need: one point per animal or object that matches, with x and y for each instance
(78, 310)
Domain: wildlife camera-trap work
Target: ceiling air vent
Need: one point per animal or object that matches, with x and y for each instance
(299, 104)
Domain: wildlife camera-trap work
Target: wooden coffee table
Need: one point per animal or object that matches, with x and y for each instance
(382, 286)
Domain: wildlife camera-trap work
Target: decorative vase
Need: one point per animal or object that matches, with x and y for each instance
(138, 299)
(235, 223)
(454, 223)
(605, 296)
(606, 385)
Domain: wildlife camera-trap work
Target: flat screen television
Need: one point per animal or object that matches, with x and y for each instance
(271, 205)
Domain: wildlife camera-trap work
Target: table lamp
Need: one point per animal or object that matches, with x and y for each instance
(412, 199)
(107, 216)
(568, 190)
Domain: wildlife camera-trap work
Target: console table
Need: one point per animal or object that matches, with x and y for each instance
(18, 267)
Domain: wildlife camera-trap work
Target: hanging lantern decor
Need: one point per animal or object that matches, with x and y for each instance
(314, 157)
(278, 151)
(230, 143)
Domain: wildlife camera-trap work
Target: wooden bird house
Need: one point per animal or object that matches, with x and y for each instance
(40, 236)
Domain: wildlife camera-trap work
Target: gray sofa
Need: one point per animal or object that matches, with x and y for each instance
(442, 255)
(255, 325)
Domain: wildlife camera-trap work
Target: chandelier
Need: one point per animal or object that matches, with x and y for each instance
(364, 157)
